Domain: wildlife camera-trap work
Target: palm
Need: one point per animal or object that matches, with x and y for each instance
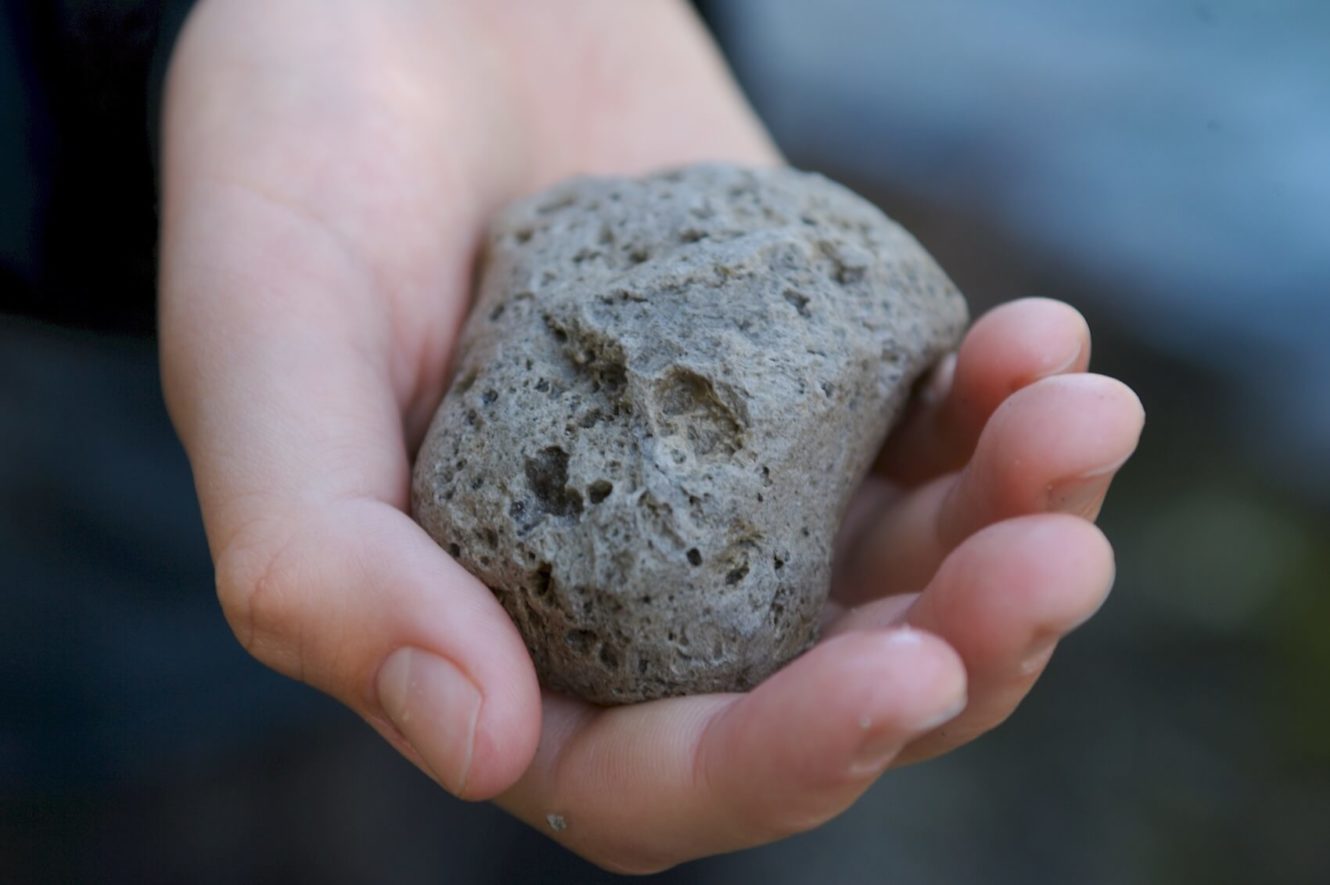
(317, 248)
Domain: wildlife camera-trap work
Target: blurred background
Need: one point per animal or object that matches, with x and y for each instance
(1163, 165)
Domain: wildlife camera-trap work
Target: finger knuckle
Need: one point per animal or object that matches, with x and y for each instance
(256, 582)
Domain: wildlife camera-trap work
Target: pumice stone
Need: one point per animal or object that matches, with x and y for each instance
(663, 398)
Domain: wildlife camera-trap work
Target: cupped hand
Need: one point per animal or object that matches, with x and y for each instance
(328, 171)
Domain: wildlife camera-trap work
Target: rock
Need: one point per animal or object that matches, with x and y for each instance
(665, 394)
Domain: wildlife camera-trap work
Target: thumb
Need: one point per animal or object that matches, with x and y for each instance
(357, 601)
(278, 367)
(317, 231)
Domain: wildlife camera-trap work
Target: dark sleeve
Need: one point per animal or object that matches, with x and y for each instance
(84, 82)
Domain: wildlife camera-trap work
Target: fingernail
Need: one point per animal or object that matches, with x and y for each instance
(938, 382)
(435, 707)
(1079, 497)
(1063, 367)
(1083, 495)
(880, 745)
(1038, 656)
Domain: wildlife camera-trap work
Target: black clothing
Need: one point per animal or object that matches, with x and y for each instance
(80, 90)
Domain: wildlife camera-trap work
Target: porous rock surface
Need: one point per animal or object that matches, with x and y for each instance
(665, 394)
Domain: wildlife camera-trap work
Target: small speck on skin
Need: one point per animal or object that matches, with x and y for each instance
(905, 636)
(556, 822)
(865, 723)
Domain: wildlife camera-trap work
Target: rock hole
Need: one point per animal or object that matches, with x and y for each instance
(489, 397)
(579, 641)
(466, 381)
(778, 563)
(842, 271)
(709, 425)
(608, 656)
(523, 234)
(454, 551)
(638, 255)
(599, 490)
(541, 580)
(497, 312)
(694, 556)
(845, 274)
(799, 302)
(737, 574)
(547, 474)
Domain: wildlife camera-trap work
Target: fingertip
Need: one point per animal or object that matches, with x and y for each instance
(1004, 599)
(508, 723)
(1017, 581)
(1111, 418)
(1059, 429)
(875, 689)
(902, 667)
(1081, 557)
(475, 713)
(807, 742)
(919, 682)
(1018, 343)
(507, 733)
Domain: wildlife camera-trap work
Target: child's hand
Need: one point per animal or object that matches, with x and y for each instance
(329, 169)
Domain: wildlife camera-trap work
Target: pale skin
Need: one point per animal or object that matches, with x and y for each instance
(329, 168)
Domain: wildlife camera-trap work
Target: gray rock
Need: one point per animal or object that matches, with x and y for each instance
(665, 394)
